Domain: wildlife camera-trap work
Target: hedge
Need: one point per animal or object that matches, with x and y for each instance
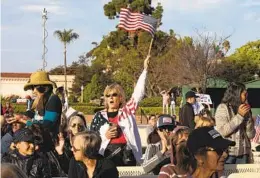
(19, 108)
(151, 102)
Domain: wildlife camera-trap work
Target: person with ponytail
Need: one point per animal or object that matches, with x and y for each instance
(177, 167)
(234, 122)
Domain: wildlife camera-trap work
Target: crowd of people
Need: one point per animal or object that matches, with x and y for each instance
(50, 140)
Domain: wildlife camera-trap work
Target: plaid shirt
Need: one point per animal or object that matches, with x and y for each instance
(235, 128)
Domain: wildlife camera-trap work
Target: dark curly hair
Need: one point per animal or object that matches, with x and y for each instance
(232, 95)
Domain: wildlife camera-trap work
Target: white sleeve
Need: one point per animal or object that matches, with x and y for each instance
(140, 87)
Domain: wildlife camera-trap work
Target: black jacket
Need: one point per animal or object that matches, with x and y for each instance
(187, 116)
(34, 166)
(104, 169)
(61, 162)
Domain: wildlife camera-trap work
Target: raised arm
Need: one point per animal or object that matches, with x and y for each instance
(140, 85)
(162, 92)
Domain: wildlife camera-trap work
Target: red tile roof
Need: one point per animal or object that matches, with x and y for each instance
(15, 75)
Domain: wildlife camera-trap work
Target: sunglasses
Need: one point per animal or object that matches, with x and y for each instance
(218, 151)
(165, 128)
(113, 95)
(75, 149)
(77, 125)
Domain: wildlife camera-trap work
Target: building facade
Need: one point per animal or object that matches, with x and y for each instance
(13, 83)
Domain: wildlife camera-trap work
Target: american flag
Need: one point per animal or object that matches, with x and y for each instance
(131, 21)
(256, 139)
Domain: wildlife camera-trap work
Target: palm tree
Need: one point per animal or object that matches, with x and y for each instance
(66, 37)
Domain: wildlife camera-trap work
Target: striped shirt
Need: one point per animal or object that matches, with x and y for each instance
(168, 171)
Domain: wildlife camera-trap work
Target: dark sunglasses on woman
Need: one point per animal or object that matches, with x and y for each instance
(113, 95)
(169, 128)
(218, 151)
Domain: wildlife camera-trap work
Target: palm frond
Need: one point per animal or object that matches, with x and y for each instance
(58, 34)
(66, 36)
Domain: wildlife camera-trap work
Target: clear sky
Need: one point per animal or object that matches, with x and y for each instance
(21, 26)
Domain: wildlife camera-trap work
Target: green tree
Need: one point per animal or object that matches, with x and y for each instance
(112, 8)
(243, 64)
(250, 50)
(66, 37)
(93, 89)
(238, 69)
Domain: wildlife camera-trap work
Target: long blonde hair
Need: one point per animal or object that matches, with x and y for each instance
(118, 89)
(204, 121)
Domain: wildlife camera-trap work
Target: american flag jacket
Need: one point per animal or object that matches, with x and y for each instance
(126, 122)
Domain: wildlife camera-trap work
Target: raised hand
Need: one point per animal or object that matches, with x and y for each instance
(112, 133)
(163, 141)
(59, 146)
(17, 118)
(11, 120)
(243, 109)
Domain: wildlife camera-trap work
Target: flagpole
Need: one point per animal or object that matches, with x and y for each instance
(150, 47)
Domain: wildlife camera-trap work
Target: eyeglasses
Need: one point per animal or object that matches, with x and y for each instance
(113, 95)
(218, 151)
(75, 149)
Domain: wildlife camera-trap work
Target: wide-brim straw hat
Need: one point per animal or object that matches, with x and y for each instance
(39, 78)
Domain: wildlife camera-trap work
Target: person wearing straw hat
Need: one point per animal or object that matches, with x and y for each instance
(46, 108)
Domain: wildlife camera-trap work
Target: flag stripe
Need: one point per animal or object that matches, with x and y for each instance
(135, 28)
(137, 24)
(132, 21)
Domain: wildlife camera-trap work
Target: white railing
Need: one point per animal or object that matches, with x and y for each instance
(229, 169)
(133, 171)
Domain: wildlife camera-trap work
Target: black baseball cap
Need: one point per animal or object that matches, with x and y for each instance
(207, 137)
(166, 120)
(23, 135)
(191, 94)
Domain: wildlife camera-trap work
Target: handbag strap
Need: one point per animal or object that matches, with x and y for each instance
(118, 150)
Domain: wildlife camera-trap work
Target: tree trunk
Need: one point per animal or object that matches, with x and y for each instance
(65, 68)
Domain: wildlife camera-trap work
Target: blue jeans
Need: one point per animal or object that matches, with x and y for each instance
(244, 159)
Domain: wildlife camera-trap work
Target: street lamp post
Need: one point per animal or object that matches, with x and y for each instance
(82, 89)
(45, 34)
(256, 76)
